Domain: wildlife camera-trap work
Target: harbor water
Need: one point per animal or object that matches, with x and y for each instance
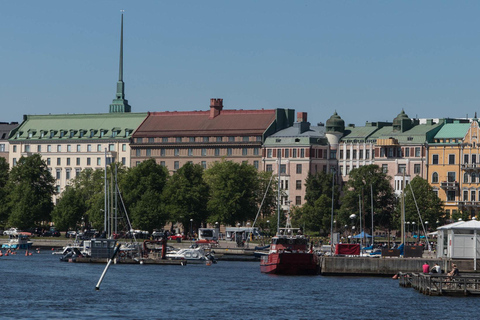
(42, 287)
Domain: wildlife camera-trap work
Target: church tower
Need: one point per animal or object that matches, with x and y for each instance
(120, 104)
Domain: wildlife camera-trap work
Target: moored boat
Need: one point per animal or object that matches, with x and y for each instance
(18, 241)
(289, 255)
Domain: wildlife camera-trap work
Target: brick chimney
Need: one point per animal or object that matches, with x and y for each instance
(216, 105)
(301, 117)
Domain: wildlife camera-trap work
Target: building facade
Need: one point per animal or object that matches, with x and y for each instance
(203, 137)
(5, 129)
(295, 152)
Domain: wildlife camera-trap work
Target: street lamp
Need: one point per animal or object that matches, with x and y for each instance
(408, 226)
(413, 230)
(191, 227)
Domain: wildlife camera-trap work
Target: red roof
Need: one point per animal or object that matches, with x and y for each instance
(200, 123)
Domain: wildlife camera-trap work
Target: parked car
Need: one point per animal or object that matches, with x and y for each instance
(11, 231)
(71, 234)
(177, 236)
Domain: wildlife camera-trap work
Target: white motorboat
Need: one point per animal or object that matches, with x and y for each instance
(192, 255)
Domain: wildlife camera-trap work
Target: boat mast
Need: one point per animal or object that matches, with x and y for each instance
(106, 193)
(371, 199)
(278, 187)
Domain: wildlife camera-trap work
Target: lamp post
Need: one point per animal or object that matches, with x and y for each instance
(268, 227)
(413, 230)
(218, 230)
(191, 227)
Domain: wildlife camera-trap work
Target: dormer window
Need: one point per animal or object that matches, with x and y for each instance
(128, 132)
(81, 133)
(115, 132)
(92, 133)
(52, 134)
(62, 133)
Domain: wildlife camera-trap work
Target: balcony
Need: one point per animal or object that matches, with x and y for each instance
(469, 204)
(470, 166)
(447, 185)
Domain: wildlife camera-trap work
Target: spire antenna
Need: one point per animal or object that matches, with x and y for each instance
(120, 104)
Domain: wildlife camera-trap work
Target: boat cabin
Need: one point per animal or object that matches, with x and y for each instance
(102, 248)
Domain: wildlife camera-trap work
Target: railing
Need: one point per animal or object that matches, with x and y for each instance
(449, 185)
(469, 166)
(431, 284)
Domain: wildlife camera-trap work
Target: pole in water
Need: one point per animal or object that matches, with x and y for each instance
(97, 287)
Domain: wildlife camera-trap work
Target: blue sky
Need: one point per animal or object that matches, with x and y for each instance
(365, 59)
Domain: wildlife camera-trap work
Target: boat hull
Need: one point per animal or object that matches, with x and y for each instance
(288, 263)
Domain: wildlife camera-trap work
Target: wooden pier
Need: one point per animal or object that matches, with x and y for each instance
(441, 285)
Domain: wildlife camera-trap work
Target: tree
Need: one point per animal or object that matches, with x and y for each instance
(317, 211)
(361, 182)
(4, 172)
(30, 189)
(419, 192)
(233, 192)
(69, 210)
(142, 189)
(186, 195)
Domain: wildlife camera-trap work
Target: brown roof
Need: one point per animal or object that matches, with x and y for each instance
(200, 123)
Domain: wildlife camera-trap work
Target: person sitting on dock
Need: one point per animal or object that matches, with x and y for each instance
(435, 268)
(454, 272)
(426, 268)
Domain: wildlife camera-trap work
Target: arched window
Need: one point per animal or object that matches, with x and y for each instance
(435, 177)
(465, 177)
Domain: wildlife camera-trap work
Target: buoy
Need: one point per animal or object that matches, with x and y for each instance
(53, 249)
(395, 277)
(209, 263)
(26, 253)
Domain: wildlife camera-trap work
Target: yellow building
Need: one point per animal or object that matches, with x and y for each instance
(448, 158)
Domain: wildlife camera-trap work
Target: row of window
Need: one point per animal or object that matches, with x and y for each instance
(284, 184)
(283, 168)
(198, 139)
(111, 147)
(193, 152)
(176, 164)
(399, 152)
(78, 161)
(81, 133)
(354, 154)
(292, 153)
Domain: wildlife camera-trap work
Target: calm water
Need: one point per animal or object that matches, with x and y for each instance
(41, 287)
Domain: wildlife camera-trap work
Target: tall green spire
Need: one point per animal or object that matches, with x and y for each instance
(120, 104)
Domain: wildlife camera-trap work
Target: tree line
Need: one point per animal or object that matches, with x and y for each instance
(226, 193)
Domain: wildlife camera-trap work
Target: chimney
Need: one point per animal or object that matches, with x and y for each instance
(301, 117)
(216, 105)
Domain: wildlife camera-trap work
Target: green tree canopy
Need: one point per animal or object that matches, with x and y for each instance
(4, 172)
(69, 210)
(429, 204)
(316, 213)
(186, 195)
(361, 182)
(142, 188)
(30, 189)
(233, 192)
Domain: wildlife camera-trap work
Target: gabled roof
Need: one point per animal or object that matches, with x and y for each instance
(199, 123)
(81, 126)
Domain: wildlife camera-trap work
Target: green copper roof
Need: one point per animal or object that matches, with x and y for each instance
(78, 126)
(417, 134)
(453, 130)
(335, 123)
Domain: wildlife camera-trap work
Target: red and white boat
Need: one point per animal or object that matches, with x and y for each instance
(289, 255)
